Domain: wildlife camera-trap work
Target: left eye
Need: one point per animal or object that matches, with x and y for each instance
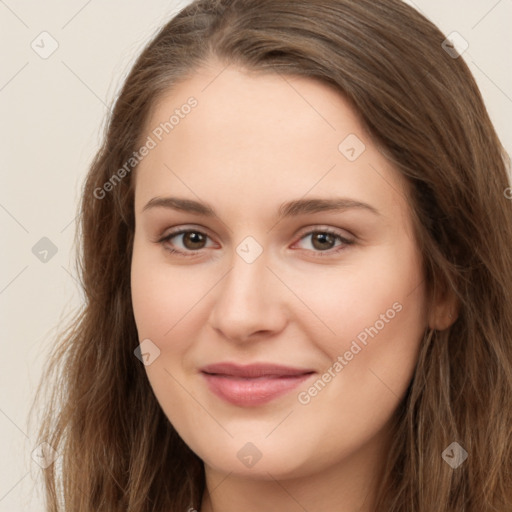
(322, 241)
(322, 238)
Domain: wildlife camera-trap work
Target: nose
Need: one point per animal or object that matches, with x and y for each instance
(250, 301)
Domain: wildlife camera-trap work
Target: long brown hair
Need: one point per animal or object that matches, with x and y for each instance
(423, 109)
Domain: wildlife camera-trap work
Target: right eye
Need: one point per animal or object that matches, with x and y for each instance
(192, 241)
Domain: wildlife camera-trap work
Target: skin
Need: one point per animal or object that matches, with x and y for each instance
(253, 142)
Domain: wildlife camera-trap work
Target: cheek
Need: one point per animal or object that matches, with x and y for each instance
(368, 289)
(163, 297)
(166, 309)
(377, 312)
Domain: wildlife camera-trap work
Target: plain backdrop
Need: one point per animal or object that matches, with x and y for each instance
(53, 109)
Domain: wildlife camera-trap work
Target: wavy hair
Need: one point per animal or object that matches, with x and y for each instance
(423, 109)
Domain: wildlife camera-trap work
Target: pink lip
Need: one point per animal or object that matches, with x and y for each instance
(254, 384)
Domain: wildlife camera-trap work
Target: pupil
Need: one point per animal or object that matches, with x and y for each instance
(194, 238)
(323, 238)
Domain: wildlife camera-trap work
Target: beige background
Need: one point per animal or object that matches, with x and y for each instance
(52, 111)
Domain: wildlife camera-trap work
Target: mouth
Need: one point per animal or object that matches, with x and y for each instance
(253, 385)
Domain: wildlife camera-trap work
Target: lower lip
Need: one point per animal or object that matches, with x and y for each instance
(252, 392)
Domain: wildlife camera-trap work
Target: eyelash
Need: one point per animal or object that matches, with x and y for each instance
(188, 254)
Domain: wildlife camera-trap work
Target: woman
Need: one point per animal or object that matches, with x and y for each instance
(296, 260)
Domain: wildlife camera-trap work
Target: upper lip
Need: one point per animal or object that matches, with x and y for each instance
(254, 370)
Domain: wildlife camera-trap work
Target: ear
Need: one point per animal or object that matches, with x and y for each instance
(445, 310)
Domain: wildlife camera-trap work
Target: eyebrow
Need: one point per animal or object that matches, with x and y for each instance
(288, 209)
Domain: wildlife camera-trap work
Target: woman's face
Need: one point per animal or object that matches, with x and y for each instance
(298, 251)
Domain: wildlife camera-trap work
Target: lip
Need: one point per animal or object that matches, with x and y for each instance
(252, 385)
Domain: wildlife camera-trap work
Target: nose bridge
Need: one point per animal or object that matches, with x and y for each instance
(247, 300)
(245, 285)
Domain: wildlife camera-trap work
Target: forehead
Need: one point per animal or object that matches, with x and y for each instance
(246, 102)
(250, 132)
